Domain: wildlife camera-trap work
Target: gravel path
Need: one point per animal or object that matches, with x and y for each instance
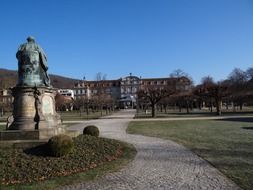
(159, 164)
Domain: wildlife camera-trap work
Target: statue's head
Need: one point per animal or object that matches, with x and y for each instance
(30, 39)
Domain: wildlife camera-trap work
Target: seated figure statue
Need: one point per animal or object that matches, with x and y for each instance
(32, 65)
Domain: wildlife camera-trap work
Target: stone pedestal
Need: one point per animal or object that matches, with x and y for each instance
(34, 113)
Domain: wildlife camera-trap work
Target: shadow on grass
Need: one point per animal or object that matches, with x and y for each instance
(225, 153)
(192, 114)
(40, 150)
(247, 128)
(238, 119)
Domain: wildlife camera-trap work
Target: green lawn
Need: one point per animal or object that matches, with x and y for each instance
(76, 115)
(246, 111)
(226, 144)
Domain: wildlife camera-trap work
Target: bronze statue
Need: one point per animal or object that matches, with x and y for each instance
(34, 116)
(32, 65)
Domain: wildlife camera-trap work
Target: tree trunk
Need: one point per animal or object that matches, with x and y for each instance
(241, 106)
(199, 104)
(233, 105)
(101, 110)
(2, 112)
(187, 107)
(87, 110)
(218, 106)
(153, 106)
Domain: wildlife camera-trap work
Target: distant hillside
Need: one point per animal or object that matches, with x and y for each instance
(8, 78)
(62, 82)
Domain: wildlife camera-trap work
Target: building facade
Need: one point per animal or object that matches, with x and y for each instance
(179, 84)
(89, 89)
(129, 87)
(124, 90)
(66, 92)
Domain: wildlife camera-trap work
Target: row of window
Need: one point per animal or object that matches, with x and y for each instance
(129, 82)
(124, 89)
(83, 91)
(155, 82)
(129, 89)
(100, 84)
(146, 82)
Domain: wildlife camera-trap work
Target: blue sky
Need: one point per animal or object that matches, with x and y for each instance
(150, 38)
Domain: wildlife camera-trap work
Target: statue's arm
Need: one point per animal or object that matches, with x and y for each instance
(19, 52)
(17, 55)
(43, 59)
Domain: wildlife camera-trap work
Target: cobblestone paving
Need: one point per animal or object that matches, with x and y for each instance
(158, 165)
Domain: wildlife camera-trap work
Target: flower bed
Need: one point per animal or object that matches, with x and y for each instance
(19, 166)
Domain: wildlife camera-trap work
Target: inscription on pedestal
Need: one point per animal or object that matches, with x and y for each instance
(47, 105)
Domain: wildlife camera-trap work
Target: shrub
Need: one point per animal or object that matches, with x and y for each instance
(60, 145)
(91, 130)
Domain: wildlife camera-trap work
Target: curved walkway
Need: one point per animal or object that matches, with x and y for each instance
(158, 165)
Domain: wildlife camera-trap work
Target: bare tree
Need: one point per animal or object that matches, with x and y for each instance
(214, 91)
(178, 73)
(100, 76)
(238, 81)
(249, 74)
(206, 81)
(153, 95)
(63, 103)
(201, 91)
(238, 76)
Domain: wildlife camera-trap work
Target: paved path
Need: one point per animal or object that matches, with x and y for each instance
(158, 165)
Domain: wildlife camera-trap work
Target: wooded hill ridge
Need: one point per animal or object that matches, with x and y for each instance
(8, 78)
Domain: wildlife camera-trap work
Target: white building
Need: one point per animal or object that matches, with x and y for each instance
(66, 92)
(128, 88)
